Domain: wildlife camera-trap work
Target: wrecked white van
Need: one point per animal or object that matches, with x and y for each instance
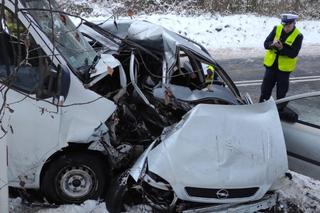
(54, 122)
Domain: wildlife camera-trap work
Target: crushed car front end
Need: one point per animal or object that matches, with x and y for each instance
(216, 154)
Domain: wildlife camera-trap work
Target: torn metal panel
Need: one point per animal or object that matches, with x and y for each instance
(159, 51)
(222, 147)
(265, 204)
(83, 113)
(120, 29)
(137, 170)
(107, 44)
(186, 94)
(158, 38)
(133, 78)
(100, 141)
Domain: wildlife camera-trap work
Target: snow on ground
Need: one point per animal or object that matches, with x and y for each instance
(88, 206)
(303, 192)
(227, 37)
(92, 206)
(233, 36)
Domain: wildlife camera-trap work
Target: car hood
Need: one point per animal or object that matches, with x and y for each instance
(222, 147)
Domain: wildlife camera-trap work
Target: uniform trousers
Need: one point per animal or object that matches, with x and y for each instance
(271, 78)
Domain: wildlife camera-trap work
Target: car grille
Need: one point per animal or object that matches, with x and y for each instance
(221, 193)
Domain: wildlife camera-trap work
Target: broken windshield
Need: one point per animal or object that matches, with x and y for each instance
(64, 35)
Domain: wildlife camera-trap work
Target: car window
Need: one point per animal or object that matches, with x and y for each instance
(23, 64)
(187, 72)
(307, 109)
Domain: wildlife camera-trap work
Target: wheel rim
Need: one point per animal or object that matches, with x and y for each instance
(77, 182)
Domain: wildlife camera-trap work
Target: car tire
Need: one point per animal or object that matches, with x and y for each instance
(116, 194)
(121, 193)
(74, 178)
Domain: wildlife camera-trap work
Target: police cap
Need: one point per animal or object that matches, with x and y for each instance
(287, 18)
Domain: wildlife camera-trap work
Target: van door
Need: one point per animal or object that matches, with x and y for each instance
(28, 89)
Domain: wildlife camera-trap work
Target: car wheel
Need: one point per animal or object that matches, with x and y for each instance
(117, 192)
(122, 193)
(74, 178)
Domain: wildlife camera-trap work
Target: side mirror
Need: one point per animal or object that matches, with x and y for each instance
(62, 84)
(287, 114)
(55, 84)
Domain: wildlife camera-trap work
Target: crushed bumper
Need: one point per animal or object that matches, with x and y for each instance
(267, 202)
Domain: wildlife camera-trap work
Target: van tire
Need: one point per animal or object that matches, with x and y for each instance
(74, 178)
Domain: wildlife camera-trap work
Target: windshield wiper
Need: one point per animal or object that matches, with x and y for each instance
(86, 70)
(94, 63)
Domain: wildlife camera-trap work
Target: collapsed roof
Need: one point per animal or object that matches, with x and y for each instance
(156, 39)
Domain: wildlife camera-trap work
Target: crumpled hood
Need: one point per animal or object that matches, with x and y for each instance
(222, 147)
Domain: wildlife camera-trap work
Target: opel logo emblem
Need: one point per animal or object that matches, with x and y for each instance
(222, 193)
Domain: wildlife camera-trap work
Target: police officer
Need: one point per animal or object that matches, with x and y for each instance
(210, 74)
(211, 77)
(283, 45)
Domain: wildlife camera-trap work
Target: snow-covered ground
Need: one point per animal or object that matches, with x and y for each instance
(92, 206)
(233, 36)
(303, 191)
(226, 37)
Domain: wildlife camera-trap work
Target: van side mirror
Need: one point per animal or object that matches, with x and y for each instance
(62, 84)
(55, 84)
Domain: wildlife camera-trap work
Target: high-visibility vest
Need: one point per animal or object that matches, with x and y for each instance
(285, 63)
(210, 77)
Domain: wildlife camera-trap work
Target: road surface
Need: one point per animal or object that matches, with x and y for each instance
(248, 74)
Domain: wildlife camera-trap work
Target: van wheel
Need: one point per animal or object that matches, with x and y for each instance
(74, 178)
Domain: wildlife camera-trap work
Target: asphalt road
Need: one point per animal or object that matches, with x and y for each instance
(248, 73)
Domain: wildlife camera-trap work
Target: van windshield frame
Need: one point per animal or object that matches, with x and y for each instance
(63, 34)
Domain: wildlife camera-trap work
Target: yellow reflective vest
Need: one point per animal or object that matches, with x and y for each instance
(285, 63)
(210, 76)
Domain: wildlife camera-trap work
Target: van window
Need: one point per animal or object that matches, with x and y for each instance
(23, 64)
